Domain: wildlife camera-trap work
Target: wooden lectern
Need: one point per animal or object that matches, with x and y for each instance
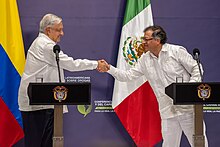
(197, 94)
(59, 94)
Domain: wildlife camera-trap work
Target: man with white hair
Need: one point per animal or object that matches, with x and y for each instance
(41, 63)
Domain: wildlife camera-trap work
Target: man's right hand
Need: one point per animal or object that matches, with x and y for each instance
(103, 66)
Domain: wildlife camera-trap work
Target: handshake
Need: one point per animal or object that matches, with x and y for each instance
(103, 66)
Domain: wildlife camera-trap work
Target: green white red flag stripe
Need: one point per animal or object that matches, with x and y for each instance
(134, 102)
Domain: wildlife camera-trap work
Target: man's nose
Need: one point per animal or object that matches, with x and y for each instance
(61, 33)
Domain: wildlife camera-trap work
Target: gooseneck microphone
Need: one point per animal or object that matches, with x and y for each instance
(196, 54)
(56, 50)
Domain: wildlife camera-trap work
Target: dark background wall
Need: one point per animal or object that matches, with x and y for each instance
(92, 30)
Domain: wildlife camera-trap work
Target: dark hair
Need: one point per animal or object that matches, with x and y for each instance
(158, 32)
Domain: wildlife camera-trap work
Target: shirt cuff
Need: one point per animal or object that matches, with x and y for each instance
(95, 64)
(112, 70)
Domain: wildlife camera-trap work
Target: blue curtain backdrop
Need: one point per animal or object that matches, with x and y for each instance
(92, 30)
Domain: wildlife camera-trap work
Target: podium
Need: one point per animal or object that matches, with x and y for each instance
(59, 94)
(197, 94)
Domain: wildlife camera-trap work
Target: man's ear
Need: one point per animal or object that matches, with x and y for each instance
(47, 30)
(157, 40)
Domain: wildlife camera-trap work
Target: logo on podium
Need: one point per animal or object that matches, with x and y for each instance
(60, 93)
(204, 91)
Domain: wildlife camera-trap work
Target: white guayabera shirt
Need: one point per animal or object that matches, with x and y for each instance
(41, 62)
(174, 61)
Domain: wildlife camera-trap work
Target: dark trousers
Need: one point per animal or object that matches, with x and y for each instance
(38, 128)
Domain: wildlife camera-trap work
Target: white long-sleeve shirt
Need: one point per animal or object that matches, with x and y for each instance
(41, 62)
(173, 62)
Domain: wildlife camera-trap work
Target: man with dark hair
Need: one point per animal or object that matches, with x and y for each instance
(161, 65)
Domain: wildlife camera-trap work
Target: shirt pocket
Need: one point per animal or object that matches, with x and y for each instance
(150, 70)
(171, 65)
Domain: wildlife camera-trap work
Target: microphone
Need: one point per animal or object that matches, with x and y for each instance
(196, 54)
(56, 50)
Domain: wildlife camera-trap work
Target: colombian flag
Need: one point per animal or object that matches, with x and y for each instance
(11, 67)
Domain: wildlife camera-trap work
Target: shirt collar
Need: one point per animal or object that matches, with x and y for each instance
(164, 49)
(45, 36)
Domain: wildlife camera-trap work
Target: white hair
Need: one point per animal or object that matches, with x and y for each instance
(48, 20)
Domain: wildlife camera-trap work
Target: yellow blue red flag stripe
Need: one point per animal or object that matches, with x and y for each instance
(12, 60)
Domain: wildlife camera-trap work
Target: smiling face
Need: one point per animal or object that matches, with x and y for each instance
(149, 42)
(55, 32)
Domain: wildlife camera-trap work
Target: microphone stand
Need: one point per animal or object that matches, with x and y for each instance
(198, 137)
(58, 139)
(200, 71)
(58, 66)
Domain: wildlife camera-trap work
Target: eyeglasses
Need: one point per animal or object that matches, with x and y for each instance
(146, 39)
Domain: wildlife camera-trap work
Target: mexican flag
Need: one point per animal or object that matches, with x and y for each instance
(134, 102)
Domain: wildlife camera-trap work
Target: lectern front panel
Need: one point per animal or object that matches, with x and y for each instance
(194, 93)
(59, 93)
